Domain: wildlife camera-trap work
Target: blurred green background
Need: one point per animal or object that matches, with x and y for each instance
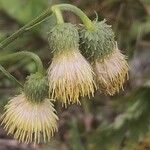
(121, 122)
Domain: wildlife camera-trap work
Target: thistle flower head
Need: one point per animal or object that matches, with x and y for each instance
(111, 72)
(30, 120)
(109, 64)
(70, 75)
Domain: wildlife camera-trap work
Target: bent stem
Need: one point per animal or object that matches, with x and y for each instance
(58, 14)
(68, 7)
(19, 55)
(11, 77)
(55, 9)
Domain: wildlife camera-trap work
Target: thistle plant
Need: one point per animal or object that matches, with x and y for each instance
(31, 116)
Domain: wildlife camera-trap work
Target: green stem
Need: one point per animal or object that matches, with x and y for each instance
(86, 21)
(11, 77)
(58, 14)
(21, 54)
(25, 28)
(56, 8)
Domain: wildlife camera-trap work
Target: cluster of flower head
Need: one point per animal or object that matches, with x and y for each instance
(70, 75)
(30, 116)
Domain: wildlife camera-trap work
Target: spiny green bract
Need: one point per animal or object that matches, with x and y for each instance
(97, 43)
(36, 88)
(63, 37)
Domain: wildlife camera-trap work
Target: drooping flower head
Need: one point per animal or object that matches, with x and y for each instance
(70, 75)
(111, 72)
(30, 116)
(110, 65)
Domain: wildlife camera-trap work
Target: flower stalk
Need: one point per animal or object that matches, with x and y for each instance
(58, 14)
(56, 9)
(19, 55)
(68, 7)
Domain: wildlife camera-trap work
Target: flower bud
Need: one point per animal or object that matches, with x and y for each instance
(63, 38)
(36, 88)
(99, 42)
(70, 75)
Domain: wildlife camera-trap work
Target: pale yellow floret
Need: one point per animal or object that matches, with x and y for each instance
(30, 122)
(111, 72)
(70, 76)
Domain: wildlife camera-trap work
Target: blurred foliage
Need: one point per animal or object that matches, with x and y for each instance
(127, 127)
(121, 122)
